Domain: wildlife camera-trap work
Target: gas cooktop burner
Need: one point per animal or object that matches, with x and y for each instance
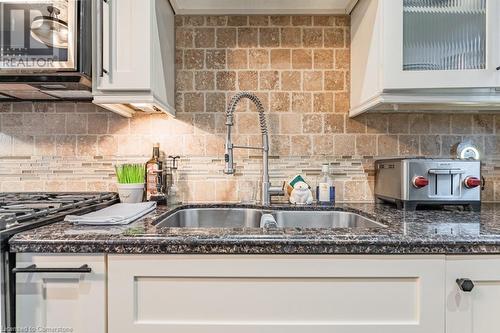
(24, 208)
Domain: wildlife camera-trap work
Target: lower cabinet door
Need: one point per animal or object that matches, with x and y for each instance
(63, 301)
(233, 294)
(473, 302)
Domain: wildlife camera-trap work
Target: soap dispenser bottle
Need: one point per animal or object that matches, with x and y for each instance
(325, 191)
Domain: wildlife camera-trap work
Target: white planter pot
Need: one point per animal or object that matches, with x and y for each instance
(131, 193)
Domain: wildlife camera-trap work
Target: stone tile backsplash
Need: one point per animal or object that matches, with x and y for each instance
(297, 65)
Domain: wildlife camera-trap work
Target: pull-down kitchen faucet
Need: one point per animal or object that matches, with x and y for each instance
(267, 189)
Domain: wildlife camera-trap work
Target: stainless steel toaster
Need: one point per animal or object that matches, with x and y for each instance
(410, 182)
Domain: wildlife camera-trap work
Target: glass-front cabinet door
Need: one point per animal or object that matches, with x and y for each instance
(441, 44)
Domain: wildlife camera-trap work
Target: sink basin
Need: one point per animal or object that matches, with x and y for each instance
(213, 218)
(323, 219)
(251, 218)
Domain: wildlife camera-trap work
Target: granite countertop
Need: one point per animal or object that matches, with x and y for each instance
(422, 232)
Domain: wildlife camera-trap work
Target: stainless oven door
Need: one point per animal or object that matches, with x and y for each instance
(38, 35)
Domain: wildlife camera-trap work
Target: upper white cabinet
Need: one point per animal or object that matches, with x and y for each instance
(269, 7)
(134, 56)
(472, 306)
(432, 53)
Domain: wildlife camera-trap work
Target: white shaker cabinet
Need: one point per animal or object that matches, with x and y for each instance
(410, 54)
(265, 293)
(134, 56)
(476, 308)
(48, 299)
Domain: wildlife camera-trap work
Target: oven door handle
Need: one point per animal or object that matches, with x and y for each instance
(34, 269)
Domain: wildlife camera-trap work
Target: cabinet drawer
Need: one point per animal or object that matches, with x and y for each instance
(275, 294)
(52, 293)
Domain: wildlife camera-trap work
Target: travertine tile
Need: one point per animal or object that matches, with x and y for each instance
(54, 123)
(483, 124)
(355, 125)
(334, 80)
(312, 37)
(342, 102)
(322, 145)
(323, 20)
(269, 80)
(45, 145)
(204, 123)
(107, 145)
(204, 37)
(323, 59)
(237, 21)
(226, 80)
(76, 123)
(237, 59)
(366, 145)
(344, 145)
(204, 80)
(193, 59)
(280, 20)
(194, 20)
(301, 145)
(323, 102)
(280, 59)
(301, 59)
(313, 80)
(226, 37)
(334, 123)
(248, 37)
(269, 37)
(258, 20)
(461, 124)
(291, 80)
(98, 123)
(215, 59)
(280, 102)
(184, 80)
(399, 123)
(301, 102)
(22, 145)
(215, 102)
(193, 102)
(387, 145)
(216, 20)
(291, 37)
(376, 123)
(248, 80)
(301, 20)
(430, 145)
(184, 37)
(291, 123)
(258, 58)
(342, 59)
(312, 123)
(419, 123)
(408, 145)
(334, 37)
(440, 124)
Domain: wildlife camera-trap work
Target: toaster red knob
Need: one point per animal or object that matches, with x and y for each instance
(471, 182)
(420, 181)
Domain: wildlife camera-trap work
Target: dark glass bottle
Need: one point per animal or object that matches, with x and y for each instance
(153, 174)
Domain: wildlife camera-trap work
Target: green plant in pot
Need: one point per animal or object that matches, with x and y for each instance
(130, 182)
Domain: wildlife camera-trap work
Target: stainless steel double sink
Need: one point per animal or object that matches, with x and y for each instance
(260, 218)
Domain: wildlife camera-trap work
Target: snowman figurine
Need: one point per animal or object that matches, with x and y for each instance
(301, 194)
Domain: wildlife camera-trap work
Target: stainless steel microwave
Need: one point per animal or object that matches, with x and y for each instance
(45, 48)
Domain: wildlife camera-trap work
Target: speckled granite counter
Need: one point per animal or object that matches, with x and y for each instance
(421, 232)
